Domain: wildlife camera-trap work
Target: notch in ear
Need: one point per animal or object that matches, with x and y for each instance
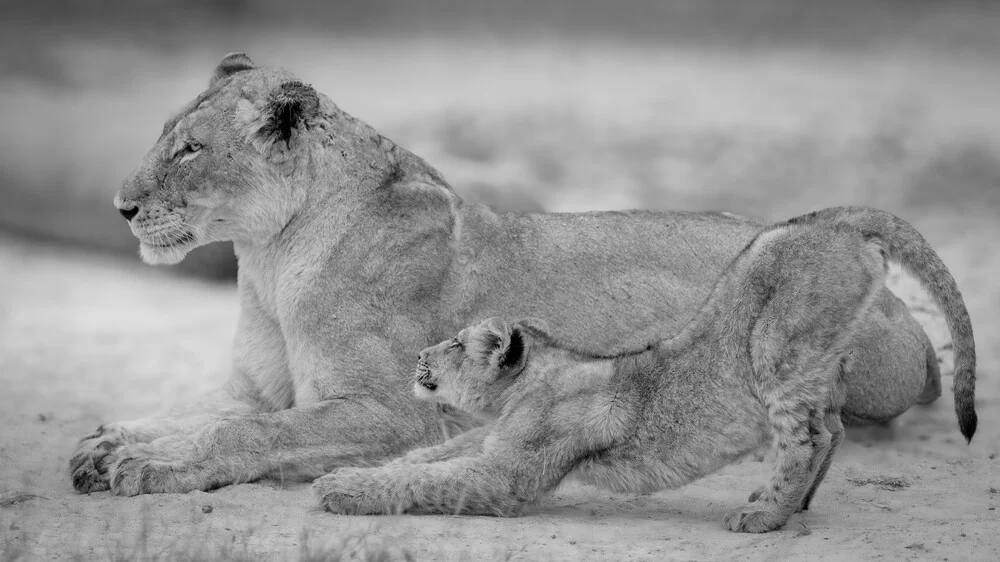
(231, 64)
(289, 107)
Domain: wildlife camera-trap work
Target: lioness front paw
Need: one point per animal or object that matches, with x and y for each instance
(351, 491)
(96, 453)
(755, 518)
(139, 470)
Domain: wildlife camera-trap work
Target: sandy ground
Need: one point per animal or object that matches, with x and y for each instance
(90, 338)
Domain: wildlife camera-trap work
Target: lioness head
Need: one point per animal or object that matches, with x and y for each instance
(471, 370)
(238, 162)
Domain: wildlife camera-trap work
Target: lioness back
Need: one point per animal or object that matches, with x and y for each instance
(611, 270)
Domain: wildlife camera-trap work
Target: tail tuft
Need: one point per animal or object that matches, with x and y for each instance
(967, 422)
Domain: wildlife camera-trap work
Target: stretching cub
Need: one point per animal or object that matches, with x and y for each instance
(762, 356)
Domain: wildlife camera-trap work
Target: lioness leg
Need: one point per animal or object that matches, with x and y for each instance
(97, 453)
(297, 443)
(932, 386)
(474, 485)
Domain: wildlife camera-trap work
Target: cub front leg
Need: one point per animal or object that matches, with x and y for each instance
(467, 485)
(465, 444)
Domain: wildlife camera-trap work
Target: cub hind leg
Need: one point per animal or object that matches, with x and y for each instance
(799, 412)
(827, 431)
(822, 442)
(791, 479)
(829, 435)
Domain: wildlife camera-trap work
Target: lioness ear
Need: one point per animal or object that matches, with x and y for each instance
(231, 64)
(289, 107)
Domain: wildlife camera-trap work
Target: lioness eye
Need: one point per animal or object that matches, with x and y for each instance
(455, 343)
(194, 146)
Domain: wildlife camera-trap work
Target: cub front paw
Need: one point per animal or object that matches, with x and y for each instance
(754, 518)
(95, 455)
(351, 491)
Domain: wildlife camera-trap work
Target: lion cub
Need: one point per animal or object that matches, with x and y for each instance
(761, 357)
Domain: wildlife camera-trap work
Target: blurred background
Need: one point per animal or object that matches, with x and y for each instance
(760, 107)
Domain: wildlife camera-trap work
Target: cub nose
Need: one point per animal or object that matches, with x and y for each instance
(129, 214)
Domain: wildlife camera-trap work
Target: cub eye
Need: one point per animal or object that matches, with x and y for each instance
(455, 344)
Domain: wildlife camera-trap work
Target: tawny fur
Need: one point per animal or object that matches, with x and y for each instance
(762, 357)
(354, 254)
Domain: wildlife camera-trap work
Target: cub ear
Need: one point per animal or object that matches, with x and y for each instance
(231, 64)
(513, 356)
(503, 346)
(289, 107)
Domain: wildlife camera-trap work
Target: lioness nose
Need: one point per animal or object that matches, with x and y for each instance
(129, 214)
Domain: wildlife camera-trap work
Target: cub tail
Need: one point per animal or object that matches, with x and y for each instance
(904, 245)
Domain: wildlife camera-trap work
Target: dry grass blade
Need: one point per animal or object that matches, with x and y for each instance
(18, 497)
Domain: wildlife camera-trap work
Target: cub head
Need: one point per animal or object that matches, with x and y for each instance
(224, 167)
(471, 370)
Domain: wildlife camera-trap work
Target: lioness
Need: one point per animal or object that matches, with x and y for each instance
(761, 356)
(354, 254)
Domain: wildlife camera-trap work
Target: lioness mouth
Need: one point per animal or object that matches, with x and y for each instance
(429, 385)
(183, 239)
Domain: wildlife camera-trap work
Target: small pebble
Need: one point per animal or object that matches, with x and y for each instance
(206, 509)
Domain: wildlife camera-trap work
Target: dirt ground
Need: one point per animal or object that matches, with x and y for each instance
(91, 338)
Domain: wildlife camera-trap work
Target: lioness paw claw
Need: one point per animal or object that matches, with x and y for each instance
(753, 519)
(137, 473)
(91, 463)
